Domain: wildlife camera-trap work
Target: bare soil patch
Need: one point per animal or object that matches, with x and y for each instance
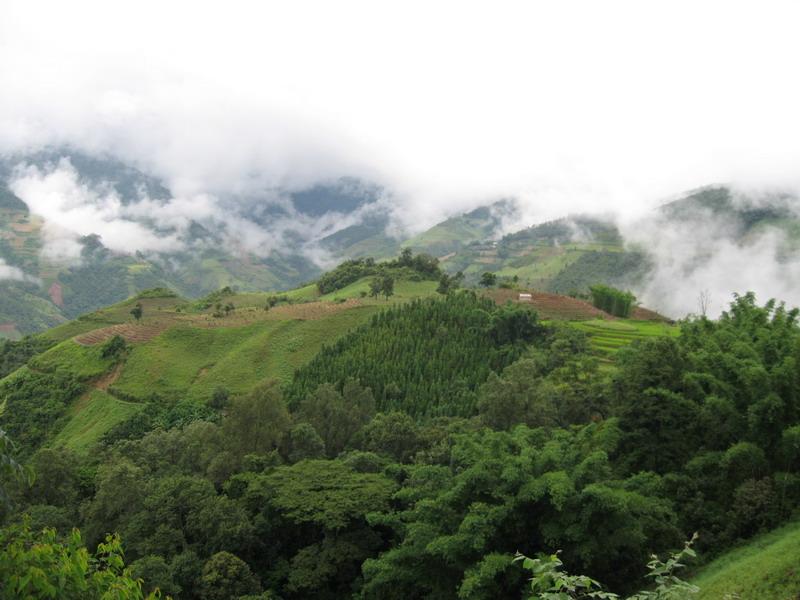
(131, 332)
(551, 306)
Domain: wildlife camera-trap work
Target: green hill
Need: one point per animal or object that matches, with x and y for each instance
(182, 352)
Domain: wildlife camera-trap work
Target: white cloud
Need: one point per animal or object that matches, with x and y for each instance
(450, 104)
(707, 255)
(71, 209)
(570, 107)
(7, 272)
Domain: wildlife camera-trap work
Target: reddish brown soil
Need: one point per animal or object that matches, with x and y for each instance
(107, 380)
(132, 333)
(640, 313)
(555, 306)
(56, 294)
(551, 306)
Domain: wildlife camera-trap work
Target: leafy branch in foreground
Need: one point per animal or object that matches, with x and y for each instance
(549, 582)
(10, 469)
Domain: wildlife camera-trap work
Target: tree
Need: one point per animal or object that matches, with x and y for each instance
(488, 279)
(257, 422)
(137, 311)
(406, 258)
(375, 287)
(155, 573)
(219, 398)
(337, 416)
(305, 443)
(703, 302)
(227, 576)
(387, 286)
(394, 434)
(449, 283)
(114, 348)
(612, 300)
(444, 285)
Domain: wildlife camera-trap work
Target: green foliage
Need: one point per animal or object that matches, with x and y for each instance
(613, 301)
(427, 357)
(227, 576)
(406, 266)
(114, 348)
(10, 469)
(38, 565)
(257, 422)
(488, 279)
(34, 402)
(693, 432)
(525, 489)
(616, 268)
(137, 311)
(550, 583)
(554, 384)
(325, 493)
(449, 283)
(337, 416)
(91, 418)
(13, 355)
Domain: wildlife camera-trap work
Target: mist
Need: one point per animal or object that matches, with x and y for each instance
(11, 273)
(700, 263)
(446, 107)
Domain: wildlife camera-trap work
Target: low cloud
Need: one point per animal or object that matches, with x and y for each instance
(709, 255)
(258, 224)
(10, 273)
(72, 209)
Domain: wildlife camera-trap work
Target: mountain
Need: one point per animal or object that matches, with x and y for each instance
(136, 235)
(49, 287)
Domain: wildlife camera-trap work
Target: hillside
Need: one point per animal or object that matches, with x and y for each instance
(765, 567)
(275, 239)
(404, 441)
(182, 352)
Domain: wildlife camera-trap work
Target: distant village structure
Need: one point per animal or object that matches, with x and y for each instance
(525, 297)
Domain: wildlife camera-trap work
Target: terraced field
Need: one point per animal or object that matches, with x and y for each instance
(608, 336)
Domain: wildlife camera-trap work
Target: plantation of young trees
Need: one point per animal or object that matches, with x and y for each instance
(426, 358)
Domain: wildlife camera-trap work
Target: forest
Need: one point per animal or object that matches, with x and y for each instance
(414, 458)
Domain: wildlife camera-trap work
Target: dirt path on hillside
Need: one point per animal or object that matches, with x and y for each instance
(106, 381)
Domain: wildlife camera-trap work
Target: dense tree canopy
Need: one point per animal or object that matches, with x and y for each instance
(416, 456)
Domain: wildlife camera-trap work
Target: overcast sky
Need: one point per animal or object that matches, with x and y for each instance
(569, 105)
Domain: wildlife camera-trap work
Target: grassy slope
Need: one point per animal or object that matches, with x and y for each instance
(191, 362)
(403, 291)
(83, 361)
(766, 568)
(91, 417)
